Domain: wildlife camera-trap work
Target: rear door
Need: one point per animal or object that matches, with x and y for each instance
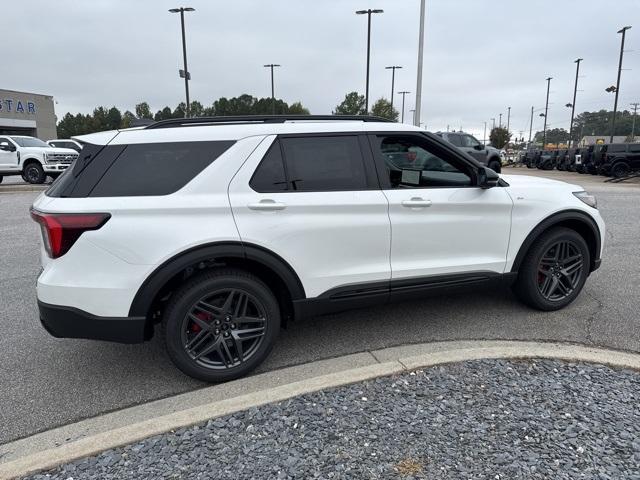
(441, 222)
(314, 200)
(634, 155)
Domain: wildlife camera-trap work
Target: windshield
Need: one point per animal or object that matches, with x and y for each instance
(29, 142)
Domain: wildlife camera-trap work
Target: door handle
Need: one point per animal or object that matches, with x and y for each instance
(267, 205)
(416, 202)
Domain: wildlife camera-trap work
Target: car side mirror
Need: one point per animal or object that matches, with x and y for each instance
(479, 147)
(487, 178)
(7, 147)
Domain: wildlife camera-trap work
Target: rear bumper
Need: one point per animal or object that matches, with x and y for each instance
(69, 322)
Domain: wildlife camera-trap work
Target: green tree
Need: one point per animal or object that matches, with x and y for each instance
(143, 110)
(127, 119)
(297, 108)
(164, 114)
(114, 119)
(382, 108)
(196, 109)
(499, 137)
(554, 135)
(353, 104)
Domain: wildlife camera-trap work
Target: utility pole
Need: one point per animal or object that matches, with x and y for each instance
(623, 31)
(546, 111)
(573, 105)
(500, 122)
(420, 57)
(508, 118)
(484, 137)
(273, 96)
(531, 126)
(368, 13)
(633, 123)
(185, 73)
(403, 93)
(493, 124)
(393, 80)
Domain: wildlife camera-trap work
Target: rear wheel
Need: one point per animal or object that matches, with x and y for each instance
(221, 325)
(554, 270)
(620, 169)
(33, 173)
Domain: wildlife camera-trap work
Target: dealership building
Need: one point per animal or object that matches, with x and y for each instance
(23, 113)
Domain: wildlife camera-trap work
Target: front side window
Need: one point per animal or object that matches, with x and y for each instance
(413, 163)
(455, 140)
(324, 163)
(634, 147)
(469, 141)
(617, 148)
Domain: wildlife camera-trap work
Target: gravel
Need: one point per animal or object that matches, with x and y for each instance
(493, 419)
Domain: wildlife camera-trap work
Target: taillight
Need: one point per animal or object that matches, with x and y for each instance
(61, 230)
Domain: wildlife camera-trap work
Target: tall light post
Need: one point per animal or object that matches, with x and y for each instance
(531, 126)
(508, 118)
(184, 74)
(573, 104)
(484, 137)
(623, 31)
(403, 93)
(368, 13)
(500, 122)
(393, 69)
(418, 114)
(273, 96)
(546, 111)
(493, 123)
(633, 122)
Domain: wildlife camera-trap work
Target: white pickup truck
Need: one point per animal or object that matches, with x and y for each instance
(32, 158)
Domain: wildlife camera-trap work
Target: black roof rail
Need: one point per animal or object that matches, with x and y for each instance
(247, 119)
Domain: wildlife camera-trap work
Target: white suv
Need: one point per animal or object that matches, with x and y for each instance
(216, 231)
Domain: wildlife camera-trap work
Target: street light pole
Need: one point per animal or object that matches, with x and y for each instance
(484, 137)
(273, 96)
(393, 80)
(368, 13)
(623, 31)
(420, 61)
(531, 126)
(633, 122)
(573, 105)
(508, 118)
(187, 75)
(403, 93)
(493, 124)
(546, 111)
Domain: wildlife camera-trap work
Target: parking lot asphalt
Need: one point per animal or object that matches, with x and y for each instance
(47, 382)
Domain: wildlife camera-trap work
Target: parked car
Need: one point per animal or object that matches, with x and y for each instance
(570, 160)
(215, 232)
(66, 143)
(561, 159)
(32, 158)
(486, 155)
(586, 154)
(619, 159)
(547, 159)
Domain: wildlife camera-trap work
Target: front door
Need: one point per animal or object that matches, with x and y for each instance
(441, 222)
(314, 201)
(8, 155)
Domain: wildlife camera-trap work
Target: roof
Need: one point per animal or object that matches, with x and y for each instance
(213, 132)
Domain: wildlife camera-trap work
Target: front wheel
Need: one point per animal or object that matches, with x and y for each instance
(221, 325)
(554, 270)
(33, 173)
(619, 170)
(495, 166)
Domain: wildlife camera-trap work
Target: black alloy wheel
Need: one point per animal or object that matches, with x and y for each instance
(224, 329)
(560, 270)
(220, 324)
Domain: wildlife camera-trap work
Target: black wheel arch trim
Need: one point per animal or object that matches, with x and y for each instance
(556, 219)
(153, 284)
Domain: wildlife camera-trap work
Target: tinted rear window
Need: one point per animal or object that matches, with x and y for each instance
(137, 169)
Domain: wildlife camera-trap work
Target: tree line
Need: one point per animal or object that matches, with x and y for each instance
(104, 118)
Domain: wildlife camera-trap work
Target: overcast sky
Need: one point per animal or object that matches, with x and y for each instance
(481, 56)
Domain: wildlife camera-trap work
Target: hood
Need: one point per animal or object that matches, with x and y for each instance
(531, 181)
(67, 151)
(63, 151)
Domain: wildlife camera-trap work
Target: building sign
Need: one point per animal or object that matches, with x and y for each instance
(17, 106)
(599, 141)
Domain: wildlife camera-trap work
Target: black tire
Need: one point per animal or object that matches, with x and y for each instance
(495, 165)
(179, 325)
(34, 174)
(620, 169)
(531, 281)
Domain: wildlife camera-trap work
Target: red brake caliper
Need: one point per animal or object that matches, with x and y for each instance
(205, 317)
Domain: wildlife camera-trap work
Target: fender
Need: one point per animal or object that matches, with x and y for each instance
(555, 219)
(167, 270)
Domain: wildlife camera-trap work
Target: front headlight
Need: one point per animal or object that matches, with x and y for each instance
(586, 198)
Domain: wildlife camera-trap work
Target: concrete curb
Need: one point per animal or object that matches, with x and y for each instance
(9, 188)
(62, 445)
